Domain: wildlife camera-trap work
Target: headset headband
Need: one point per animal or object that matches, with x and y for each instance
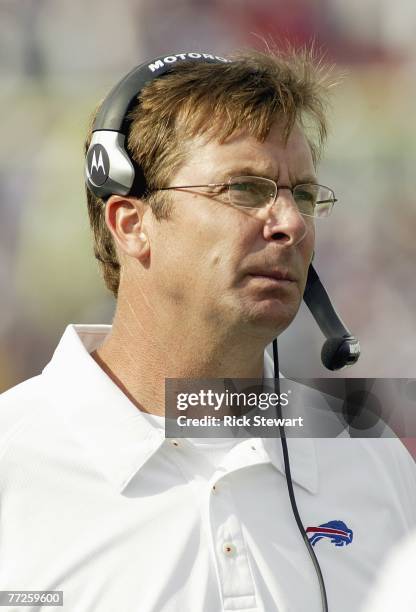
(108, 168)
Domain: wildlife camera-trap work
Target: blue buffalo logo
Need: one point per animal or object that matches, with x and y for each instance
(336, 531)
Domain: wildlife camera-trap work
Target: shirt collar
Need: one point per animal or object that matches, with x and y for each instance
(118, 438)
(302, 459)
(116, 435)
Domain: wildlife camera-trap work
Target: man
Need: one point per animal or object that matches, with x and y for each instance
(208, 263)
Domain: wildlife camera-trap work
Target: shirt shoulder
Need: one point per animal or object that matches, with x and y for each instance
(18, 407)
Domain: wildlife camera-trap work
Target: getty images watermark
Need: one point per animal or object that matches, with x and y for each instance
(228, 404)
(227, 408)
(322, 408)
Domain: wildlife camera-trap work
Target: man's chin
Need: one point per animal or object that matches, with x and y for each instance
(270, 316)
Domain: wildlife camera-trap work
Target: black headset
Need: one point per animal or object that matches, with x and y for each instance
(110, 170)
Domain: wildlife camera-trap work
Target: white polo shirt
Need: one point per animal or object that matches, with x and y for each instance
(395, 588)
(96, 503)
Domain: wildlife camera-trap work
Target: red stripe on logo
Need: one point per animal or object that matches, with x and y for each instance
(327, 530)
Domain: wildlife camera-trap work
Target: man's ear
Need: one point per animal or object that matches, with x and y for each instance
(124, 218)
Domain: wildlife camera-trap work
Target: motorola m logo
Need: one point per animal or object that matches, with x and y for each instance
(98, 164)
(171, 59)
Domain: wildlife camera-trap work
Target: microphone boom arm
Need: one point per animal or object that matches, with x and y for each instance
(341, 348)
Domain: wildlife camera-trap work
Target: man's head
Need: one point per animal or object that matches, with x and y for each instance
(191, 250)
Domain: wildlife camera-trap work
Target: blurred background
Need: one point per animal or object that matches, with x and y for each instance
(57, 60)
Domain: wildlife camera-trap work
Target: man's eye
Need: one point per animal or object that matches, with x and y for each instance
(256, 190)
(306, 196)
(251, 194)
(241, 186)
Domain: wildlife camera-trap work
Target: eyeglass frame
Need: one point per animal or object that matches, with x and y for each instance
(263, 178)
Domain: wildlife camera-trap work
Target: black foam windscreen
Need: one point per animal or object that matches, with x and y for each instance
(338, 352)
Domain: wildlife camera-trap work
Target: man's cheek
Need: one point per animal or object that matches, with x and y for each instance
(309, 244)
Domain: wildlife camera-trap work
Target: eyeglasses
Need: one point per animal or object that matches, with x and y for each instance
(256, 192)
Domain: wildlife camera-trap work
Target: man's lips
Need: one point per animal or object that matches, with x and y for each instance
(277, 275)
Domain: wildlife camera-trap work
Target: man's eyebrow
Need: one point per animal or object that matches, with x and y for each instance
(250, 171)
(239, 171)
(309, 178)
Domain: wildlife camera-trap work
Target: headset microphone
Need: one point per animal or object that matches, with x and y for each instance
(341, 348)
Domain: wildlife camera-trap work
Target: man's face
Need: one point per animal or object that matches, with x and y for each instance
(216, 264)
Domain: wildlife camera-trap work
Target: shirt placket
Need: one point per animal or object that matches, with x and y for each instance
(235, 578)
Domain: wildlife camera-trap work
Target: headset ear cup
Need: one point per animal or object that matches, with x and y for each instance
(110, 170)
(97, 165)
(111, 126)
(108, 167)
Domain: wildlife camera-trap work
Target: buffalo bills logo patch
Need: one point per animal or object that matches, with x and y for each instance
(336, 531)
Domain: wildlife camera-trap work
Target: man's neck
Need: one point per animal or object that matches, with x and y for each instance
(138, 356)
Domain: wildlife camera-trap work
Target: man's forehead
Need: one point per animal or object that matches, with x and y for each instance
(244, 153)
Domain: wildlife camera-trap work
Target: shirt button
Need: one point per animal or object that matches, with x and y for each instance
(175, 442)
(228, 549)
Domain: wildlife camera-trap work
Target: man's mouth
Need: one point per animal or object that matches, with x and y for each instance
(278, 276)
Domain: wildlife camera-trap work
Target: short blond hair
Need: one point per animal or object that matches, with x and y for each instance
(216, 100)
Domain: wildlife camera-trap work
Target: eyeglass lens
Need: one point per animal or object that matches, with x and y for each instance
(256, 192)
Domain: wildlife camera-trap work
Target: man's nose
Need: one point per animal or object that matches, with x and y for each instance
(283, 221)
